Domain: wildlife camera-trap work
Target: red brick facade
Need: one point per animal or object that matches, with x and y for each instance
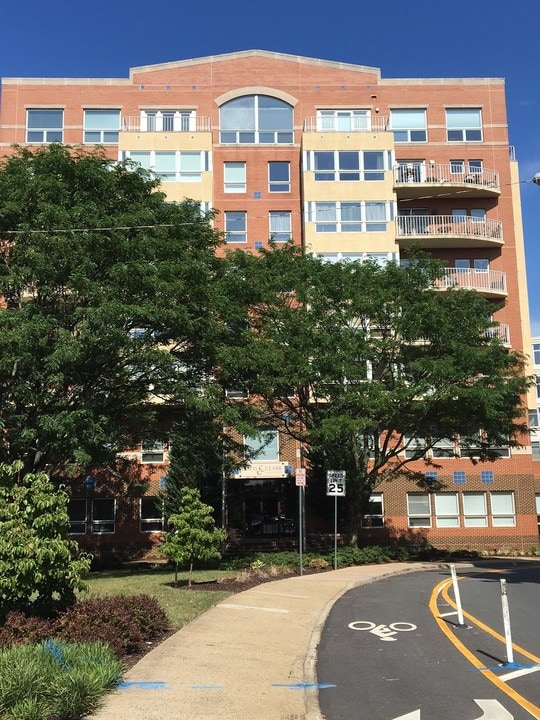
(438, 163)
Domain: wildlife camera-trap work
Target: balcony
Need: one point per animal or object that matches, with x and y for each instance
(491, 283)
(370, 123)
(418, 180)
(448, 231)
(166, 123)
(502, 332)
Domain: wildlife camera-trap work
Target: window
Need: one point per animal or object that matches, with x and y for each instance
(459, 477)
(351, 216)
(256, 119)
(463, 125)
(535, 447)
(77, 516)
(374, 512)
(502, 509)
(103, 516)
(349, 165)
(418, 510)
(44, 126)
(101, 126)
(343, 120)
(236, 226)
(446, 509)
(153, 452)
(444, 448)
(151, 509)
(409, 125)
(280, 226)
(536, 353)
(486, 476)
(168, 120)
(172, 166)
(234, 177)
(432, 476)
(264, 447)
(279, 177)
(474, 509)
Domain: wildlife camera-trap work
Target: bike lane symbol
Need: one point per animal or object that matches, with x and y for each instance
(384, 632)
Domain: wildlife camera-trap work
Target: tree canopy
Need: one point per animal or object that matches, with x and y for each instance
(106, 288)
(371, 367)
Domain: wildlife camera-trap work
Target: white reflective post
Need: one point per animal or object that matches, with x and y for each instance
(507, 628)
(457, 596)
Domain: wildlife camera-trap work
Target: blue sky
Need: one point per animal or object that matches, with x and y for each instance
(419, 38)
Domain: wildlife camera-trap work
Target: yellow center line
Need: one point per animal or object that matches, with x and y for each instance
(497, 681)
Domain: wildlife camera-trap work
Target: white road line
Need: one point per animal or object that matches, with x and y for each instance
(519, 673)
(447, 614)
(287, 595)
(252, 607)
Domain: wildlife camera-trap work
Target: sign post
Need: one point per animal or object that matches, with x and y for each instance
(335, 486)
(301, 484)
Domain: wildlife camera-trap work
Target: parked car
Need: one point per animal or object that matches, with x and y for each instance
(271, 525)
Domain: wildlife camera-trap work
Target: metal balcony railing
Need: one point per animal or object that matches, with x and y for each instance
(451, 174)
(367, 123)
(166, 123)
(457, 226)
(501, 331)
(493, 281)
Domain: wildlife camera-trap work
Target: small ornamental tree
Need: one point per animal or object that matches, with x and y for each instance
(39, 568)
(192, 533)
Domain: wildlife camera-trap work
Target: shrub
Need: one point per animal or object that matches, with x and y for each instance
(39, 570)
(125, 623)
(318, 563)
(55, 680)
(19, 628)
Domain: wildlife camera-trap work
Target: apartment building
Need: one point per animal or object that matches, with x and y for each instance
(351, 165)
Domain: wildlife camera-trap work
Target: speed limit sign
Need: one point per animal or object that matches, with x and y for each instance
(335, 483)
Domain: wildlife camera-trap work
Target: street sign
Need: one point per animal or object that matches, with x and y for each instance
(300, 477)
(335, 483)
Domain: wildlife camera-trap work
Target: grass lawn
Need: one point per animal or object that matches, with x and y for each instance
(180, 604)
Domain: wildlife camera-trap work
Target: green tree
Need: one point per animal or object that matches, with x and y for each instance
(39, 568)
(192, 534)
(107, 292)
(370, 367)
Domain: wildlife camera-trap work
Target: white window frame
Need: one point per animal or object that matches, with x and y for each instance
(461, 132)
(103, 526)
(238, 219)
(409, 132)
(374, 520)
(501, 516)
(336, 173)
(474, 509)
(105, 134)
(44, 134)
(256, 135)
(234, 177)
(279, 186)
(282, 217)
(331, 217)
(148, 524)
(168, 121)
(419, 519)
(446, 510)
(343, 120)
(180, 166)
(77, 526)
(153, 452)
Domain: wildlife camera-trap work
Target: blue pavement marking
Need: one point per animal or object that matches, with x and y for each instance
(206, 687)
(143, 685)
(304, 686)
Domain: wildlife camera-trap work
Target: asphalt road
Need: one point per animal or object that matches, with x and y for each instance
(395, 649)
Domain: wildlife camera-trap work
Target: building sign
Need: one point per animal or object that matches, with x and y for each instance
(263, 469)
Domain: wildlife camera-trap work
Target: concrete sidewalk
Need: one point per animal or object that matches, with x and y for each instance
(242, 659)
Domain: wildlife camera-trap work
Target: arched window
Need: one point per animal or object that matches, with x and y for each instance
(258, 119)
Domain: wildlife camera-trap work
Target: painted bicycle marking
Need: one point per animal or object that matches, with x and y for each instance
(384, 632)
